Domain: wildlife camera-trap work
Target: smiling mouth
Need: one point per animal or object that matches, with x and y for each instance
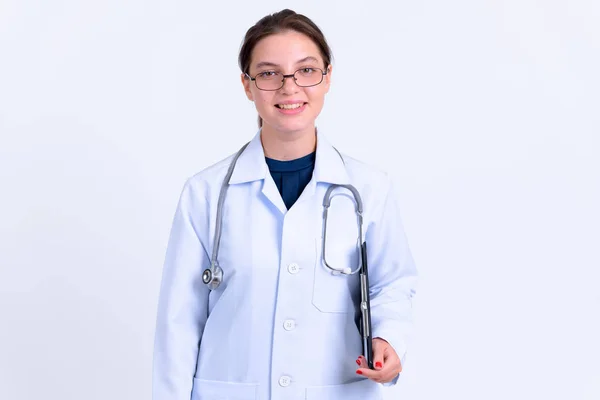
(289, 106)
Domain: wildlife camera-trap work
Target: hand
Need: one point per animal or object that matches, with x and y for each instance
(385, 361)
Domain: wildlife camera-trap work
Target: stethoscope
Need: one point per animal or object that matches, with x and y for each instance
(213, 276)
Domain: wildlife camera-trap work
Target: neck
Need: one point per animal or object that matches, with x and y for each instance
(285, 146)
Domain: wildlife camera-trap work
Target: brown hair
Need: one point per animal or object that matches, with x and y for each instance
(284, 20)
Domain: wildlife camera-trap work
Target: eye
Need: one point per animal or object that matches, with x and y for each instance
(267, 75)
(307, 72)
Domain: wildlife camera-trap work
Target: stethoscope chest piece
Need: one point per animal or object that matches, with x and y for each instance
(213, 277)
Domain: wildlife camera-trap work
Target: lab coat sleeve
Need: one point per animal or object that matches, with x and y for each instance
(182, 305)
(392, 277)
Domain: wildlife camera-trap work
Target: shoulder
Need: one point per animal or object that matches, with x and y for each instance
(208, 181)
(373, 184)
(366, 175)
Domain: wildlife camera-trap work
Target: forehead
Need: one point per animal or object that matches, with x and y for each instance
(285, 48)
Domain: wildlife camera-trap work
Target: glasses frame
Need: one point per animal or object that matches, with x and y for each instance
(323, 73)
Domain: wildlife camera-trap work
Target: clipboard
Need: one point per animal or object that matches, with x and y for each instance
(365, 309)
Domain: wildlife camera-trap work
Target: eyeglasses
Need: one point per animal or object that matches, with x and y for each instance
(273, 80)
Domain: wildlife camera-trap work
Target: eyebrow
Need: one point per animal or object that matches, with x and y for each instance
(270, 64)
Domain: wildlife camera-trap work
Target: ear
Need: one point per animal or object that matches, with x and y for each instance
(328, 78)
(246, 83)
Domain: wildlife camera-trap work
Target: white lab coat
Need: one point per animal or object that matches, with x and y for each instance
(281, 325)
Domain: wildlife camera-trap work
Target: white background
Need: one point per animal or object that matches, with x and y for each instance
(485, 113)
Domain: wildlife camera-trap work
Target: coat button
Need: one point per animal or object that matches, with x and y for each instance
(293, 268)
(284, 381)
(289, 324)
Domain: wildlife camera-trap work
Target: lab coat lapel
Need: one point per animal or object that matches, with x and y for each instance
(271, 192)
(251, 166)
(329, 168)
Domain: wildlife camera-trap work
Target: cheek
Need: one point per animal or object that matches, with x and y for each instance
(263, 99)
(316, 94)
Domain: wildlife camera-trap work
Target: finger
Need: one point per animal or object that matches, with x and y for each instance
(383, 376)
(372, 374)
(361, 361)
(391, 368)
(379, 349)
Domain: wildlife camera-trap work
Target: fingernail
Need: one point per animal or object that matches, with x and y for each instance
(358, 362)
(378, 364)
(359, 372)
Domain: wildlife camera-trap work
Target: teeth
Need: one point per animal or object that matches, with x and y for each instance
(289, 106)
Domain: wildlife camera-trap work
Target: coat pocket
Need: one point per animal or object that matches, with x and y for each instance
(358, 390)
(335, 292)
(220, 390)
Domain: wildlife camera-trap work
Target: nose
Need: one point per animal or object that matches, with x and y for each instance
(289, 85)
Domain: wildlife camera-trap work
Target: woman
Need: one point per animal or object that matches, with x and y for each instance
(280, 323)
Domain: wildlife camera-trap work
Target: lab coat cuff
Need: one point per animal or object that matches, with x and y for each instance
(393, 382)
(397, 344)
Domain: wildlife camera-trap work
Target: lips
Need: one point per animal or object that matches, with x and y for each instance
(290, 106)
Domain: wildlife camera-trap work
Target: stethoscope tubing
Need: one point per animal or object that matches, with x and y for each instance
(214, 275)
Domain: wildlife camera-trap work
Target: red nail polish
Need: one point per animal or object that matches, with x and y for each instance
(358, 362)
(378, 364)
(359, 372)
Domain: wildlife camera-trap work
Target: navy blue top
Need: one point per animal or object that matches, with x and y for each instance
(291, 177)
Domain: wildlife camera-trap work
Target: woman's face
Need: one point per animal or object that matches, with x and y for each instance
(286, 53)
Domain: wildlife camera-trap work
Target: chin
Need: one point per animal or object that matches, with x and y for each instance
(297, 125)
(291, 129)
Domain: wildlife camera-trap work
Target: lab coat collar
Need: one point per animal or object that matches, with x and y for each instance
(329, 165)
(251, 165)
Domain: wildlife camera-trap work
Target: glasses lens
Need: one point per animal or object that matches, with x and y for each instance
(272, 80)
(308, 76)
(269, 80)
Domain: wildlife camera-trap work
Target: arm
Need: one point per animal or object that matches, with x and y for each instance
(392, 275)
(183, 302)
